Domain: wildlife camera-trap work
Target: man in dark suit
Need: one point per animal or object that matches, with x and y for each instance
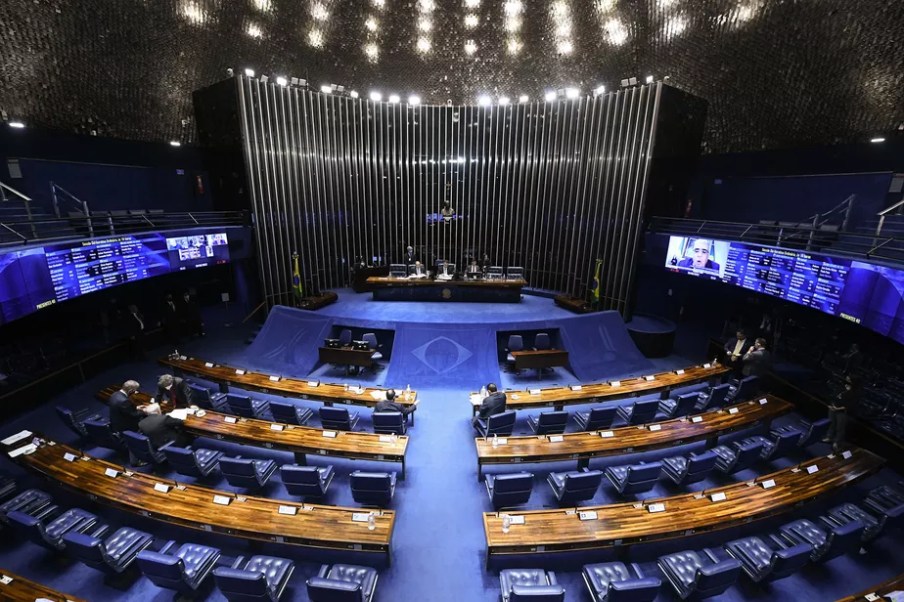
(391, 405)
(758, 360)
(493, 403)
(125, 415)
(735, 350)
(171, 320)
(192, 324)
(700, 259)
(173, 390)
(162, 429)
(136, 326)
(409, 258)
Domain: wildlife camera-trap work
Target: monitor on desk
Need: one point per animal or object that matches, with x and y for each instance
(397, 270)
(332, 343)
(494, 272)
(360, 345)
(514, 273)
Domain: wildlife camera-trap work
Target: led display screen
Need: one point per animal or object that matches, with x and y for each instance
(864, 293)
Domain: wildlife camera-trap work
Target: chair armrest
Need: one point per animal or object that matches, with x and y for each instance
(99, 532)
(239, 561)
(324, 571)
(551, 578)
(167, 546)
(165, 445)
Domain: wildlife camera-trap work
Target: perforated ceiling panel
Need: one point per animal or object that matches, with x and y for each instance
(776, 73)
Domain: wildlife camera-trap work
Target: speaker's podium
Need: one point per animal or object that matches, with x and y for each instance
(575, 304)
(317, 301)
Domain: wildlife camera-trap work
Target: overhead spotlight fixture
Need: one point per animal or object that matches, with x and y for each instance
(873, 140)
(376, 96)
(326, 89)
(550, 96)
(523, 98)
(484, 100)
(264, 79)
(282, 81)
(175, 143)
(649, 79)
(414, 100)
(599, 90)
(353, 94)
(572, 93)
(229, 72)
(249, 72)
(394, 98)
(503, 100)
(632, 81)
(16, 124)
(624, 83)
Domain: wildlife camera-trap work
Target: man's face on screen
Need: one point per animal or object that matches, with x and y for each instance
(701, 253)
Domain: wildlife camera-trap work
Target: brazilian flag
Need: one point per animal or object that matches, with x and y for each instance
(597, 282)
(297, 289)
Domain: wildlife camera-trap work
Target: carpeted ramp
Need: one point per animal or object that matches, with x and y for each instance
(600, 348)
(288, 342)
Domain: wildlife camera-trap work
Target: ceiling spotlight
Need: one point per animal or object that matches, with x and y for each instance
(326, 89)
(470, 47)
(873, 140)
(376, 96)
(229, 72)
(175, 143)
(249, 72)
(471, 21)
(472, 3)
(16, 124)
(394, 98)
(550, 96)
(414, 100)
(503, 100)
(282, 81)
(572, 93)
(484, 100)
(264, 79)
(632, 81)
(649, 79)
(599, 90)
(523, 98)
(353, 94)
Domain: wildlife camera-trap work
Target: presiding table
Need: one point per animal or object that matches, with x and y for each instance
(558, 397)
(346, 356)
(197, 507)
(539, 359)
(630, 439)
(486, 291)
(621, 525)
(301, 440)
(14, 588)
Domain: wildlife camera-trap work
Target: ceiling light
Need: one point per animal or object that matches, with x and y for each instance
(599, 90)
(372, 51)
(472, 3)
(423, 44)
(175, 143)
(378, 3)
(503, 100)
(470, 47)
(484, 100)
(394, 98)
(513, 7)
(376, 96)
(371, 24)
(414, 100)
(319, 12)
(523, 98)
(326, 89)
(565, 47)
(550, 96)
(282, 81)
(16, 124)
(514, 46)
(873, 140)
(249, 72)
(649, 79)
(316, 38)
(353, 94)
(471, 21)
(572, 93)
(254, 31)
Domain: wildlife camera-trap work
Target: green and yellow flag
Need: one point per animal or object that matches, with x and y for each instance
(297, 289)
(597, 282)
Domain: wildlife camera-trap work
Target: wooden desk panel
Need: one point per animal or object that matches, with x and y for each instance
(192, 505)
(422, 289)
(540, 358)
(881, 589)
(300, 440)
(346, 356)
(384, 282)
(286, 387)
(558, 397)
(627, 439)
(629, 523)
(21, 589)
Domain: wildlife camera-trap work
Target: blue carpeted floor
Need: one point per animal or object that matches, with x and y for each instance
(438, 548)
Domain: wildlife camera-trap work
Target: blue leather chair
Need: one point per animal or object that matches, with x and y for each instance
(75, 419)
(390, 423)
(141, 448)
(575, 486)
(634, 478)
(533, 585)
(50, 535)
(373, 488)
(542, 341)
(826, 542)
(113, 555)
(183, 570)
(345, 337)
(884, 500)
(698, 574)
(761, 563)
(549, 423)
(873, 525)
(596, 419)
(682, 404)
(205, 398)
(290, 413)
(100, 433)
(777, 445)
(342, 583)
(306, 481)
(261, 578)
(515, 343)
(639, 412)
(498, 424)
(371, 340)
(740, 455)
(338, 419)
(713, 398)
(30, 501)
(745, 389)
(692, 469)
(613, 582)
(810, 432)
(245, 406)
(508, 490)
(196, 463)
(250, 474)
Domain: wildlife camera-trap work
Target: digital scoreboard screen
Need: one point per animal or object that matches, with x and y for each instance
(861, 292)
(41, 276)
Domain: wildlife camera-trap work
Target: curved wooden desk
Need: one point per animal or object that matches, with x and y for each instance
(21, 589)
(558, 397)
(629, 523)
(585, 445)
(192, 506)
(285, 387)
(300, 440)
(882, 589)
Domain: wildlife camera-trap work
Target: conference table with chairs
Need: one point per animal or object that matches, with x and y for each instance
(624, 524)
(583, 446)
(275, 384)
(537, 359)
(879, 591)
(423, 289)
(202, 508)
(14, 588)
(558, 397)
(301, 440)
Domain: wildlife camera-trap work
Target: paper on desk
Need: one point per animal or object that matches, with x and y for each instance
(378, 395)
(895, 596)
(475, 398)
(180, 414)
(17, 437)
(24, 450)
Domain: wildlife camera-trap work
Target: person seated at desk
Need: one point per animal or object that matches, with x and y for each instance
(162, 429)
(473, 270)
(493, 403)
(446, 272)
(417, 271)
(389, 404)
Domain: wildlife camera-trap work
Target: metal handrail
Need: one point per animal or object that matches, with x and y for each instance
(26, 199)
(82, 204)
(885, 212)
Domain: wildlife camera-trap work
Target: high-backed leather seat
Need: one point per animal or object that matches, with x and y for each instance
(338, 419)
(575, 486)
(307, 481)
(761, 563)
(183, 570)
(342, 583)
(738, 456)
(247, 473)
(114, 554)
(261, 578)
(290, 413)
(196, 463)
(74, 419)
(373, 488)
(614, 582)
(548, 423)
(534, 585)
(596, 419)
(498, 424)
(507, 490)
(691, 469)
(699, 573)
(634, 478)
(639, 412)
(244, 405)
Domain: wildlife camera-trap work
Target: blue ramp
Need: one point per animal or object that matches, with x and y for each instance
(288, 342)
(600, 348)
(444, 355)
